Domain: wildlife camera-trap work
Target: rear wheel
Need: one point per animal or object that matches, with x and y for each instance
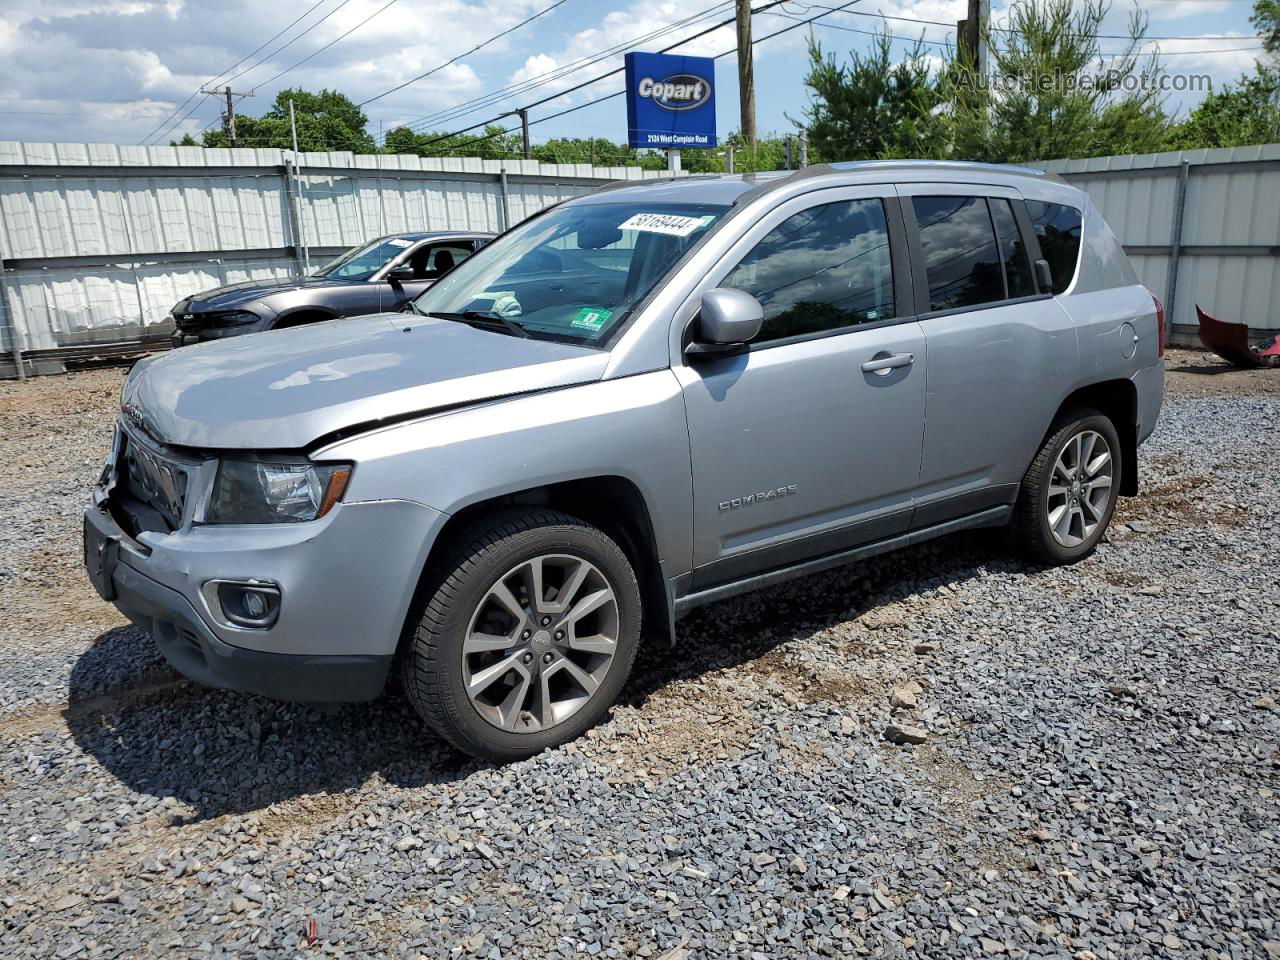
(528, 635)
(1069, 492)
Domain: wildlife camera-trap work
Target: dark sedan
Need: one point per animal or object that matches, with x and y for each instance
(377, 277)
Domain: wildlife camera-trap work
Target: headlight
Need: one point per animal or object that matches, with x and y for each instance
(262, 491)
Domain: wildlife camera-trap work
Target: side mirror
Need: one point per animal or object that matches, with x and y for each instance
(728, 321)
(1044, 276)
(400, 274)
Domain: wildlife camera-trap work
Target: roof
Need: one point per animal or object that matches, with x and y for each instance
(436, 234)
(729, 188)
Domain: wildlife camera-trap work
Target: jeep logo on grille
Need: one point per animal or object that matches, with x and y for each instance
(683, 91)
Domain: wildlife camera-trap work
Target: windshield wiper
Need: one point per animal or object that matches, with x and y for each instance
(484, 320)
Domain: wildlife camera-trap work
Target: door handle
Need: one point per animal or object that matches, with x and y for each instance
(885, 364)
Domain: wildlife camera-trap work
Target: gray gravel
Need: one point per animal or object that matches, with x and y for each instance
(1100, 775)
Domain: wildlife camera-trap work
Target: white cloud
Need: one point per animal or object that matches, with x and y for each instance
(62, 65)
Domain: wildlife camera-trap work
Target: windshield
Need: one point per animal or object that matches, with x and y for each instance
(575, 272)
(361, 263)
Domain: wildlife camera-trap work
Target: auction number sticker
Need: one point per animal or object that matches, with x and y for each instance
(668, 223)
(398, 242)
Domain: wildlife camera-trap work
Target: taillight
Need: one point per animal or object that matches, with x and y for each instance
(1160, 331)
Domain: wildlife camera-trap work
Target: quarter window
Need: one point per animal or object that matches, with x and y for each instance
(962, 262)
(1058, 228)
(822, 269)
(1017, 266)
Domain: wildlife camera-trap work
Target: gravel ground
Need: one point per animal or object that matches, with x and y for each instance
(1101, 775)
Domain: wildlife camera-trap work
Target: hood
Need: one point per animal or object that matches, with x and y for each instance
(234, 294)
(285, 388)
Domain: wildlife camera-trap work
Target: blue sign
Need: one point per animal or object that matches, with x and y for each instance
(671, 101)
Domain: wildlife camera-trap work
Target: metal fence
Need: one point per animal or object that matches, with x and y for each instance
(1200, 227)
(98, 241)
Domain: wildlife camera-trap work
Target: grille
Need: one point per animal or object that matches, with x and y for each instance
(148, 476)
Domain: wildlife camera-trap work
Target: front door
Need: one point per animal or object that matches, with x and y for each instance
(808, 443)
(411, 274)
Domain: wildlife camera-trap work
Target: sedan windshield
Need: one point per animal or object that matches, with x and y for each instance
(572, 273)
(361, 263)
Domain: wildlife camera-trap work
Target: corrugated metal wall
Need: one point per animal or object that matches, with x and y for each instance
(99, 241)
(1227, 256)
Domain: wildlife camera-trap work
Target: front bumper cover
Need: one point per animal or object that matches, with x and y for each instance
(197, 653)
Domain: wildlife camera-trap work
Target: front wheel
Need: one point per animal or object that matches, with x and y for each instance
(1069, 492)
(528, 635)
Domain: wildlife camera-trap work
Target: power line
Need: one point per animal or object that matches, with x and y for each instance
(952, 26)
(602, 76)
(329, 44)
(478, 46)
(304, 14)
(611, 96)
(275, 53)
(178, 109)
(944, 43)
(532, 83)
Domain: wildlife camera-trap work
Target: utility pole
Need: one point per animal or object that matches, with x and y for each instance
(746, 75)
(297, 180)
(971, 35)
(228, 116)
(523, 114)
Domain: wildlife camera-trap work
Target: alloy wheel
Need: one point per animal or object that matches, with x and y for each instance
(540, 643)
(1080, 488)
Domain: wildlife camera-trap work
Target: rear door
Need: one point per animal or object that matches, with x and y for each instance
(809, 442)
(1002, 354)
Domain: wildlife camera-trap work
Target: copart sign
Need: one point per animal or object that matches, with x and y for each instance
(671, 101)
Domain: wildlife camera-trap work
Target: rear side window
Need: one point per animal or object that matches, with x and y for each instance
(1058, 228)
(821, 269)
(961, 259)
(1017, 265)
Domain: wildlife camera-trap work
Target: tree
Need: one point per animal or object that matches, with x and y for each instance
(1266, 20)
(1053, 93)
(1244, 113)
(872, 109)
(327, 120)
(493, 143)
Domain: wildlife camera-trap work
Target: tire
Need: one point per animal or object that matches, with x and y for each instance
(1039, 527)
(470, 636)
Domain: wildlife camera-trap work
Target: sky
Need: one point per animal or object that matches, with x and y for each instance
(128, 71)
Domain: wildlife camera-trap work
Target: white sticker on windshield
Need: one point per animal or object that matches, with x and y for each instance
(397, 242)
(667, 223)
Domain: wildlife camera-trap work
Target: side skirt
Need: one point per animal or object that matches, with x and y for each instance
(991, 517)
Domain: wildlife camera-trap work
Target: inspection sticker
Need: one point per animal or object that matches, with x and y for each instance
(668, 223)
(591, 318)
(397, 242)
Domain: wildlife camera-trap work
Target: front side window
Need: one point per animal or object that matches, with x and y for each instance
(431, 261)
(573, 273)
(1058, 229)
(824, 268)
(361, 263)
(961, 260)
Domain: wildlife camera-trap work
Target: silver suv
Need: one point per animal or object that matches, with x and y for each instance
(638, 401)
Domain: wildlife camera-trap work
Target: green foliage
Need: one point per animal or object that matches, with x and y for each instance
(326, 121)
(1047, 98)
(873, 108)
(1245, 113)
(1266, 20)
